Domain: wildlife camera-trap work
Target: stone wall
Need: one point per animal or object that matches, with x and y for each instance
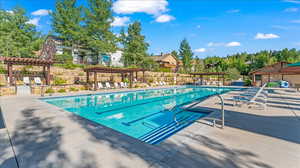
(7, 91)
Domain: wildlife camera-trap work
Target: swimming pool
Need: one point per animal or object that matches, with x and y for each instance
(147, 115)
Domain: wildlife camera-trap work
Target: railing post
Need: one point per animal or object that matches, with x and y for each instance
(222, 110)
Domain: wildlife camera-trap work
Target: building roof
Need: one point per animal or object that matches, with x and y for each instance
(294, 64)
(270, 69)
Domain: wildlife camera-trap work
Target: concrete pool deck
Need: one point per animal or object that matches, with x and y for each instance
(46, 136)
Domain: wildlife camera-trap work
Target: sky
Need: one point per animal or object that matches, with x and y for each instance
(212, 27)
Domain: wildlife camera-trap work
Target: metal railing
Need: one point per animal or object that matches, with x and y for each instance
(222, 120)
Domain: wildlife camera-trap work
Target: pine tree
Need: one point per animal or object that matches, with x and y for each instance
(18, 38)
(186, 54)
(98, 24)
(66, 21)
(135, 47)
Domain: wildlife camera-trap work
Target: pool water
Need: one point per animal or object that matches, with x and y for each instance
(147, 115)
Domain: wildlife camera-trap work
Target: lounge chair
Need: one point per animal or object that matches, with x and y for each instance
(122, 85)
(134, 80)
(252, 97)
(37, 81)
(156, 83)
(107, 85)
(164, 82)
(125, 84)
(26, 81)
(116, 85)
(100, 86)
(160, 83)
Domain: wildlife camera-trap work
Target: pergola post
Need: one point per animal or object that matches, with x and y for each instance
(87, 76)
(201, 76)
(95, 81)
(223, 80)
(136, 75)
(218, 80)
(144, 77)
(48, 75)
(122, 77)
(194, 80)
(130, 79)
(269, 78)
(10, 75)
(253, 78)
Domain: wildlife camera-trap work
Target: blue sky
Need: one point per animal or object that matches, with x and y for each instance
(213, 27)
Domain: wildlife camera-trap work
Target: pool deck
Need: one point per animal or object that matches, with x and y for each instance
(45, 136)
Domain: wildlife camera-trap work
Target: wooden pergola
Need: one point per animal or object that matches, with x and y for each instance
(219, 74)
(121, 71)
(10, 61)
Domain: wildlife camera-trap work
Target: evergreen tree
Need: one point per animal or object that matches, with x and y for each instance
(98, 24)
(175, 54)
(18, 38)
(135, 47)
(186, 54)
(66, 21)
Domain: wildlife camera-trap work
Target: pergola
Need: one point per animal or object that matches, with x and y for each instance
(10, 61)
(121, 71)
(219, 74)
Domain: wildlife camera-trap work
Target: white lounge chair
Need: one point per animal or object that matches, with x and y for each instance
(125, 84)
(116, 85)
(164, 82)
(100, 86)
(160, 83)
(37, 81)
(26, 80)
(107, 85)
(134, 80)
(122, 85)
(156, 83)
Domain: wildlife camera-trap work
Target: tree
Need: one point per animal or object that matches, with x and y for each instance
(135, 47)
(186, 54)
(98, 24)
(175, 54)
(18, 38)
(66, 22)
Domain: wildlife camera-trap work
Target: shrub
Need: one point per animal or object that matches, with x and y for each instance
(82, 88)
(49, 90)
(80, 74)
(59, 81)
(273, 84)
(2, 69)
(248, 82)
(69, 66)
(62, 90)
(72, 89)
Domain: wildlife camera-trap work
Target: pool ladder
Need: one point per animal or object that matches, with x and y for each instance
(222, 120)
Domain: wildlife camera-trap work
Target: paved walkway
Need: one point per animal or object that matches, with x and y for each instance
(46, 136)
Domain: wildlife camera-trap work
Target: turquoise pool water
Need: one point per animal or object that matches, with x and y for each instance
(145, 115)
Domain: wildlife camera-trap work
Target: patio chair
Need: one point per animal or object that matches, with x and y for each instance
(37, 81)
(160, 83)
(26, 80)
(122, 85)
(116, 85)
(156, 83)
(107, 85)
(134, 80)
(164, 83)
(125, 84)
(100, 86)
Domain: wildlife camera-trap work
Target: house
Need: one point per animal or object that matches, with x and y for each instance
(82, 55)
(167, 61)
(276, 72)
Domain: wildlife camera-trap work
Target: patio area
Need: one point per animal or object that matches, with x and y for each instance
(43, 135)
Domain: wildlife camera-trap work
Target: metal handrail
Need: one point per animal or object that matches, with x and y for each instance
(214, 119)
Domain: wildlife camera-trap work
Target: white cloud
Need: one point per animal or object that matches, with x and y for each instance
(266, 36)
(213, 44)
(233, 11)
(291, 10)
(198, 26)
(164, 18)
(10, 11)
(41, 12)
(120, 21)
(200, 50)
(152, 7)
(233, 44)
(295, 21)
(292, 1)
(34, 21)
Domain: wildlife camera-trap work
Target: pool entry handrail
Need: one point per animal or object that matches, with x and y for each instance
(222, 120)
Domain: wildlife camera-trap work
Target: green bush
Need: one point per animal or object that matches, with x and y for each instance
(59, 81)
(273, 84)
(61, 90)
(80, 74)
(2, 69)
(164, 69)
(248, 82)
(49, 90)
(72, 89)
(69, 66)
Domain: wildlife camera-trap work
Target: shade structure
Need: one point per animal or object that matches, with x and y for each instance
(121, 71)
(10, 61)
